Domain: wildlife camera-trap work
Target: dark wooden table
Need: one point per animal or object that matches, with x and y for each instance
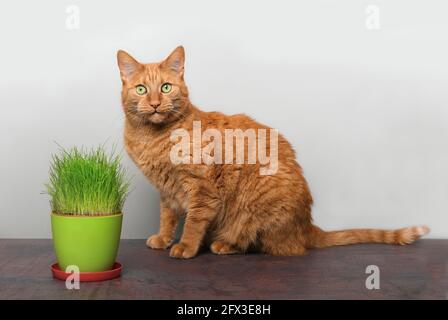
(418, 271)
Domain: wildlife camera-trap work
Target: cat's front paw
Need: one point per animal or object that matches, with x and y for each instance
(182, 251)
(157, 242)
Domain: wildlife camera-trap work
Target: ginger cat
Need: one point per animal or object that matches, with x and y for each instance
(230, 207)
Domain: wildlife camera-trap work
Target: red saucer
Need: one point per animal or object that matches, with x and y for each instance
(88, 276)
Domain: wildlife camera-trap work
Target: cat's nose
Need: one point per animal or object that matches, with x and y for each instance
(155, 104)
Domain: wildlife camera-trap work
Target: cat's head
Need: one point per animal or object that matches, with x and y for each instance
(153, 93)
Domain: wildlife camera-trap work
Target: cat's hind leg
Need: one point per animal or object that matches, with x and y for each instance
(222, 247)
(282, 249)
(283, 241)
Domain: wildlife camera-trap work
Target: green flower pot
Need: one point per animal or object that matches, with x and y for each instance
(89, 242)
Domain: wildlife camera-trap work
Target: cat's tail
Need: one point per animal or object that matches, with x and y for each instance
(321, 239)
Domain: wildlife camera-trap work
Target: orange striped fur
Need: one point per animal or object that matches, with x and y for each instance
(229, 207)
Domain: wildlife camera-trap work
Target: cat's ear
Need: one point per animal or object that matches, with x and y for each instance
(128, 65)
(175, 61)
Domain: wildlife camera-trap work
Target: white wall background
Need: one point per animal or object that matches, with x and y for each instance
(367, 110)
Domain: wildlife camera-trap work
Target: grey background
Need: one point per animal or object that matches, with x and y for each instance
(366, 110)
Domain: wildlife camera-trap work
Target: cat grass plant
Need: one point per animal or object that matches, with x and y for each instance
(87, 190)
(87, 183)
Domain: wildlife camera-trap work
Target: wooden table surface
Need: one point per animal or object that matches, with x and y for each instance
(418, 271)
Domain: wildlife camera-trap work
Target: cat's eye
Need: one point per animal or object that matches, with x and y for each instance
(140, 89)
(166, 87)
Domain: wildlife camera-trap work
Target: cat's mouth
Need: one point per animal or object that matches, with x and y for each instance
(152, 116)
(156, 116)
(155, 111)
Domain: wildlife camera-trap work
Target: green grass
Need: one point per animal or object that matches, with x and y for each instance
(87, 182)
